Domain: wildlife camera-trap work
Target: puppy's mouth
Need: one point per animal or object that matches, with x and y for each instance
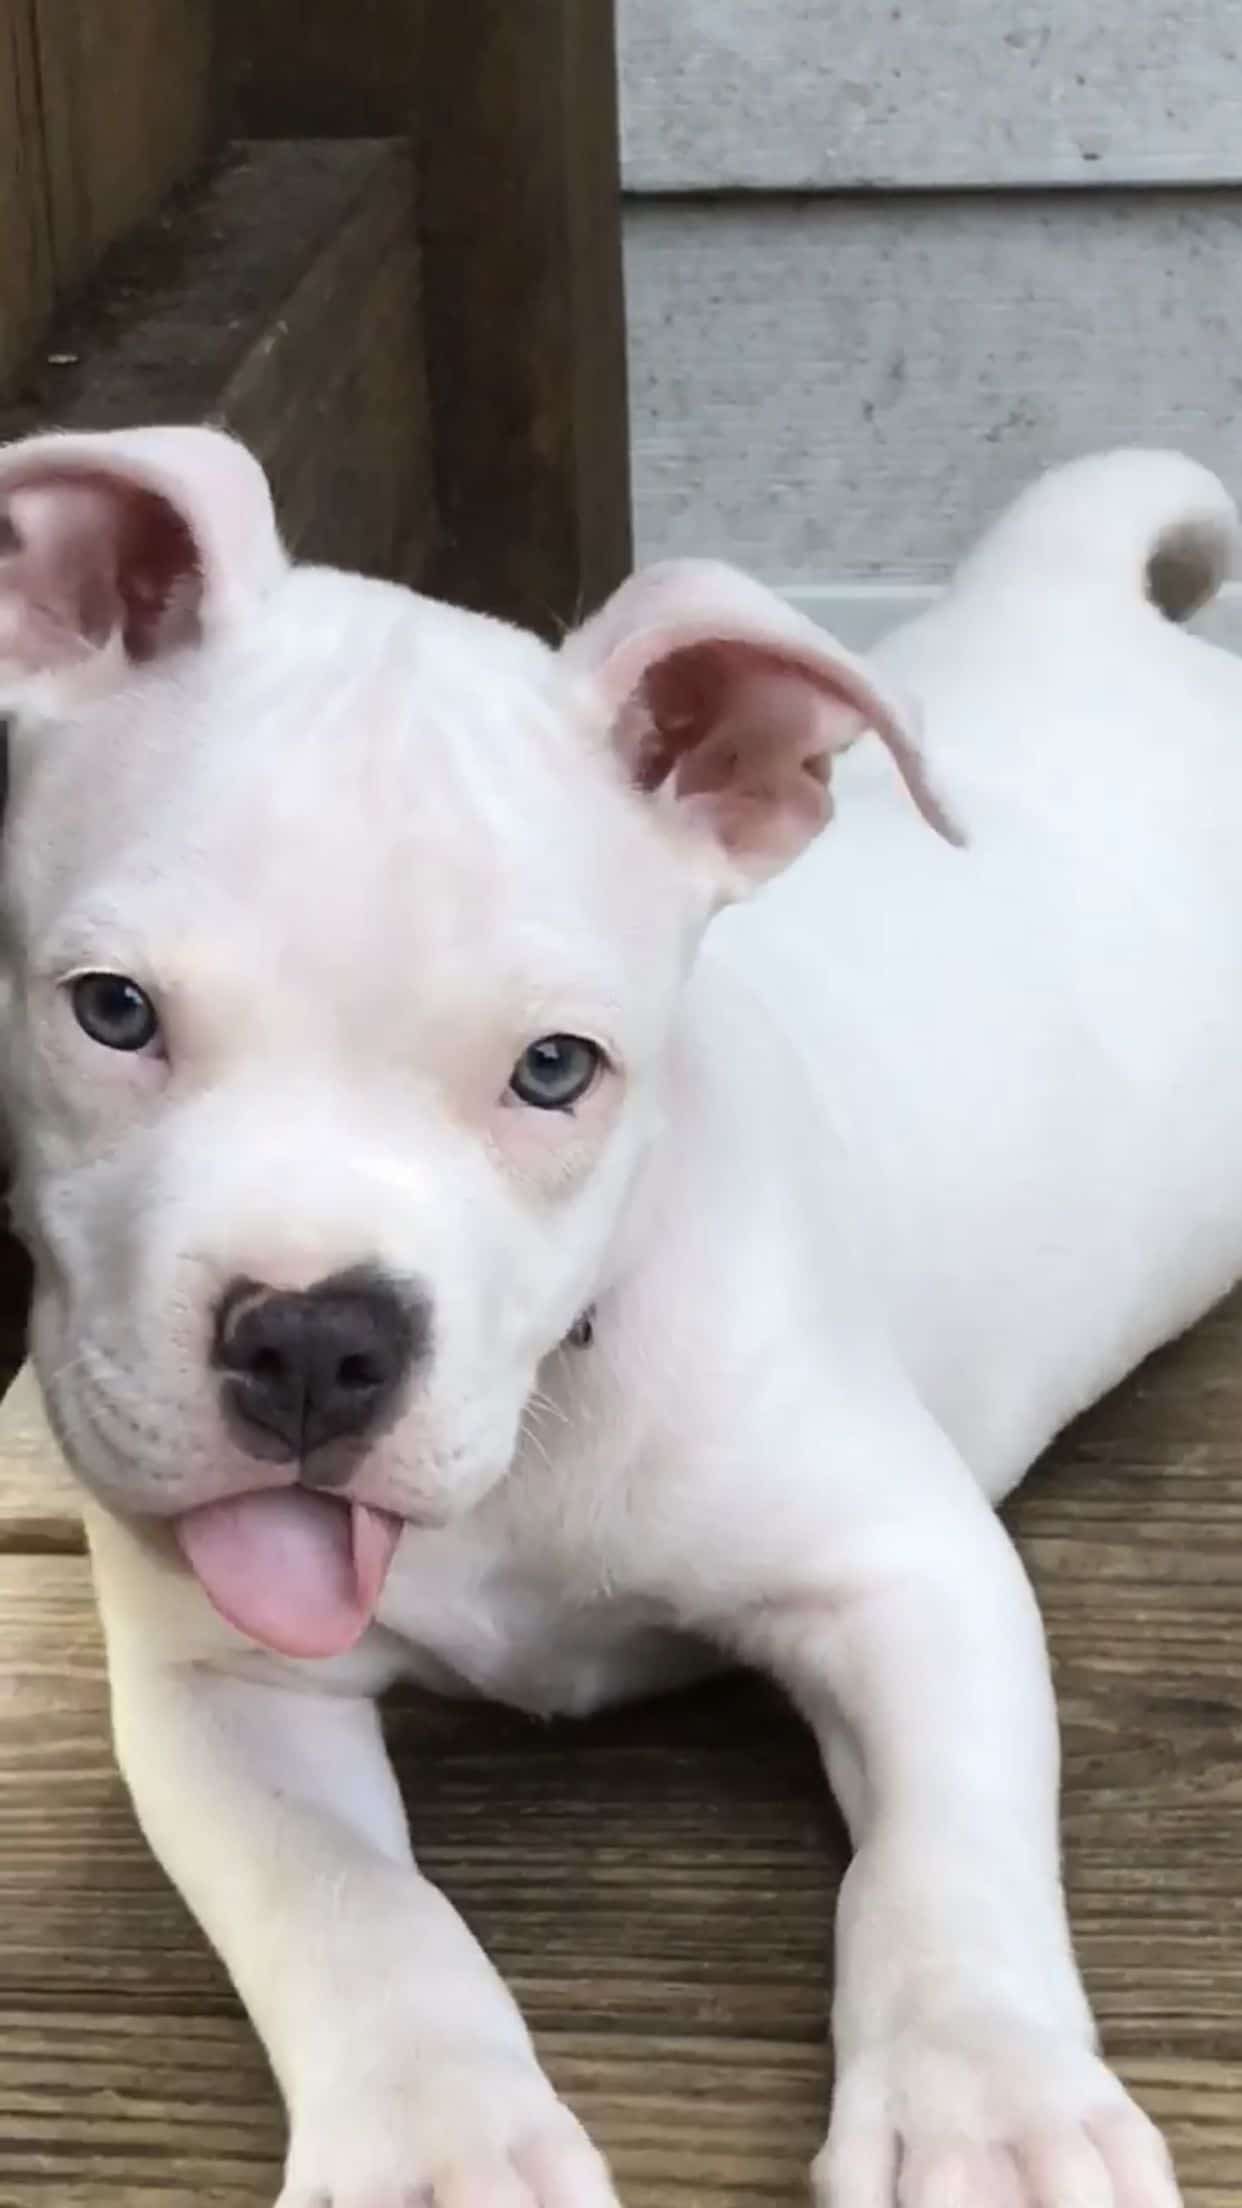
(298, 1572)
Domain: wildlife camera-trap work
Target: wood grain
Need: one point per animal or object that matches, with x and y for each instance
(512, 106)
(26, 254)
(126, 109)
(521, 239)
(103, 109)
(814, 94)
(836, 389)
(282, 302)
(656, 1885)
(38, 1504)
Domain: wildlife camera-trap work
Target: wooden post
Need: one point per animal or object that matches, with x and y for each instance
(523, 304)
(513, 104)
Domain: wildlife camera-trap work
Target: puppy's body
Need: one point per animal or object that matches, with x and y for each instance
(913, 1159)
(1027, 1161)
(1032, 1052)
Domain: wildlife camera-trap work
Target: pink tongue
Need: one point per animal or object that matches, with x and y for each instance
(300, 1573)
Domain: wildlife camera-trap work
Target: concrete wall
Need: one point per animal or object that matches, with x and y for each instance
(885, 264)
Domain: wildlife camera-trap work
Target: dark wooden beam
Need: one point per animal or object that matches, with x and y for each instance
(524, 310)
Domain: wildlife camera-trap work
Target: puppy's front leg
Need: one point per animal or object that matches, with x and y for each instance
(965, 2053)
(404, 2064)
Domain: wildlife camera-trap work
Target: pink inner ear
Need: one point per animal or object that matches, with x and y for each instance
(710, 677)
(680, 700)
(159, 577)
(747, 737)
(84, 556)
(700, 711)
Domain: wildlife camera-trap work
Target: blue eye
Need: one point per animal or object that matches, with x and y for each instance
(553, 1073)
(114, 1011)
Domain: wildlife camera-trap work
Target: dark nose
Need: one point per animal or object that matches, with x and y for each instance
(320, 1365)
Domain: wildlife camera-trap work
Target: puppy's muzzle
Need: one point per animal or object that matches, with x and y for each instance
(327, 1363)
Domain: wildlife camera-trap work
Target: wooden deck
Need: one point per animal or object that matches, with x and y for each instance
(657, 1888)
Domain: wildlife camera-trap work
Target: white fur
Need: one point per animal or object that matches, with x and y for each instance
(920, 1154)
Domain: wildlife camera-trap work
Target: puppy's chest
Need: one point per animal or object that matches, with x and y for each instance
(475, 1620)
(545, 1597)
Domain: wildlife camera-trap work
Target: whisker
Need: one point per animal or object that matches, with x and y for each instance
(540, 1403)
(536, 1441)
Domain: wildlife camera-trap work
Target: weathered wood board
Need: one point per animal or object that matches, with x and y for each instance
(127, 92)
(103, 108)
(26, 262)
(512, 108)
(282, 302)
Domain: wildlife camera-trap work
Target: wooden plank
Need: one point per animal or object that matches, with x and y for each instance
(103, 109)
(182, 2127)
(846, 389)
(26, 266)
(816, 95)
(284, 304)
(38, 1502)
(656, 1885)
(100, 2109)
(93, 2103)
(88, 2101)
(126, 108)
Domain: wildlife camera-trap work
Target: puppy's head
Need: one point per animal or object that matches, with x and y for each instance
(341, 942)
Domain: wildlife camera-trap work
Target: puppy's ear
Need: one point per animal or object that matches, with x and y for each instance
(725, 699)
(118, 548)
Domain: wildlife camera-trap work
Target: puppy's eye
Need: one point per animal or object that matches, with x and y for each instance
(114, 1011)
(555, 1072)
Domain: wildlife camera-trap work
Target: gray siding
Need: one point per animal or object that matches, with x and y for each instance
(845, 388)
(826, 94)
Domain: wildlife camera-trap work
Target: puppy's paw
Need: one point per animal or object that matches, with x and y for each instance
(988, 2115)
(494, 2136)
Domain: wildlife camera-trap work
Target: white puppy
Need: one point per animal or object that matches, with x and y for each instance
(448, 1271)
